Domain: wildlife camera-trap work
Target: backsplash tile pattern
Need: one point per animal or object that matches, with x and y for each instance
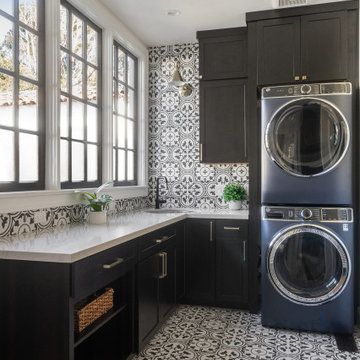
(20, 222)
(174, 135)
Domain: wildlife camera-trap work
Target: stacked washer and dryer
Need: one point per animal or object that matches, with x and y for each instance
(307, 238)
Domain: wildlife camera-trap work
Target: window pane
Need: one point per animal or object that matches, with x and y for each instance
(131, 71)
(92, 39)
(6, 44)
(28, 106)
(7, 158)
(64, 79)
(28, 54)
(121, 132)
(77, 120)
(121, 65)
(121, 99)
(77, 35)
(92, 85)
(92, 127)
(130, 134)
(130, 166)
(131, 104)
(64, 116)
(64, 21)
(6, 100)
(92, 163)
(28, 157)
(7, 6)
(28, 12)
(77, 77)
(121, 165)
(64, 160)
(77, 158)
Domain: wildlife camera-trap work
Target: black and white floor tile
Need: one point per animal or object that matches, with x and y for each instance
(204, 333)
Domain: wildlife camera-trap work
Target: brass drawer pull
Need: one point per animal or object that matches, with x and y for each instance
(117, 262)
(164, 238)
(232, 228)
(211, 231)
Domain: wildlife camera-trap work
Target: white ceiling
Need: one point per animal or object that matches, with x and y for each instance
(148, 19)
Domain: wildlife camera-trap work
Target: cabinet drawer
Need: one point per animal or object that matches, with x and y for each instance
(95, 272)
(232, 229)
(150, 243)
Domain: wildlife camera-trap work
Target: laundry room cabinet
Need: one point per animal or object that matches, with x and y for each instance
(223, 85)
(302, 48)
(216, 262)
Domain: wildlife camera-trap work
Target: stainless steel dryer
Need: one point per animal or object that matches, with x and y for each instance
(307, 268)
(306, 144)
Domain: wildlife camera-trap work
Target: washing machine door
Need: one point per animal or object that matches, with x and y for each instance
(308, 264)
(307, 137)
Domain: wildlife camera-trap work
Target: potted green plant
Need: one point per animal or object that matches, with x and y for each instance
(97, 204)
(234, 193)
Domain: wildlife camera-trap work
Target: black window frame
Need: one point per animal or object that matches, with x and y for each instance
(115, 113)
(40, 83)
(86, 21)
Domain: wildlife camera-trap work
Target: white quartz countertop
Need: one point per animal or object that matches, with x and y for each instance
(70, 243)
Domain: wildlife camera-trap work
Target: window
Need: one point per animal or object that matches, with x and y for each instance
(80, 103)
(21, 95)
(124, 117)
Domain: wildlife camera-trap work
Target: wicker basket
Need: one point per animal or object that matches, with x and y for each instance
(88, 312)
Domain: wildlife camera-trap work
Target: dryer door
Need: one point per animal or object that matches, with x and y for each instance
(307, 137)
(308, 264)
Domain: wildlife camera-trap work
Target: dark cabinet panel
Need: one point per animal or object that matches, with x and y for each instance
(231, 263)
(223, 121)
(278, 50)
(223, 57)
(148, 282)
(200, 260)
(324, 46)
(167, 282)
(180, 260)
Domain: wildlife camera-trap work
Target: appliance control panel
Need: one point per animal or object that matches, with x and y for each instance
(307, 214)
(342, 88)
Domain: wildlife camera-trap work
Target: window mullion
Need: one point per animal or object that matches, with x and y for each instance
(16, 92)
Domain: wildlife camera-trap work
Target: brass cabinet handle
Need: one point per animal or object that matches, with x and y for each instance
(244, 251)
(163, 257)
(232, 228)
(297, 78)
(117, 262)
(211, 231)
(201, 151)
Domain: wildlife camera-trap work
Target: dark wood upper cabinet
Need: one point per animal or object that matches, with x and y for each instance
(324, 46)
(302, 48)
(223, 54)
(223, 121)
(278, 50)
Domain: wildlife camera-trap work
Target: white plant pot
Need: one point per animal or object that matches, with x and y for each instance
(235, 205)
(97, 217)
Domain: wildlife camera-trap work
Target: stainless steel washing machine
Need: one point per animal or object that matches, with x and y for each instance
(307, 144)
(307, 268)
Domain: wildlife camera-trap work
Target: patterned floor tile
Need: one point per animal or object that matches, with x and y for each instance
(207, 333)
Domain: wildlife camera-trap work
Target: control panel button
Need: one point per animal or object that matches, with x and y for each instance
(306, 214)
(305, 89)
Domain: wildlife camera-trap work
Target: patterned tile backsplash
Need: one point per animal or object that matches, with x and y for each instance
(20, 222)
(174, 135)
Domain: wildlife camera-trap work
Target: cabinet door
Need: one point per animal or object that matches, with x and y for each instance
(200, 260)
(231, 263)
(324, 46)
(278, 50)
(167, 281)
(223, 57)
(148, 279)
(223, 121)
(180, 260)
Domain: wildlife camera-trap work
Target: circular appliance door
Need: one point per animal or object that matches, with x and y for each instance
(308, 264)
(307, 137)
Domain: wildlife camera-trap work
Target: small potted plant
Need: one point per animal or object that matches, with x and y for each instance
(98, 204)
(234, 193)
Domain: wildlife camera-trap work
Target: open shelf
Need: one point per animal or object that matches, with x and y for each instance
(98, 324)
